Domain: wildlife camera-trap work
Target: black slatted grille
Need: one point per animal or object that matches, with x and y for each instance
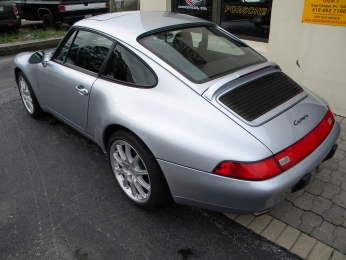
(261, 95)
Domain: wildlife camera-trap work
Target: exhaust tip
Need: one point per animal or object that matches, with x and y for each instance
(258, 213)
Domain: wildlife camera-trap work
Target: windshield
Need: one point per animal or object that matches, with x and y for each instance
(201, 53)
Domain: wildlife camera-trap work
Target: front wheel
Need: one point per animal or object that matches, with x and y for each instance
(28, 97)
(136, 170)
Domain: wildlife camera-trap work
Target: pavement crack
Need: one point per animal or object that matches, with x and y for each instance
(9, 101)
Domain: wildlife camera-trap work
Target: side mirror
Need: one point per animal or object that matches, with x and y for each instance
(37, 57)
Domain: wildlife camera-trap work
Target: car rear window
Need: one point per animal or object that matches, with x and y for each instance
(201, 53)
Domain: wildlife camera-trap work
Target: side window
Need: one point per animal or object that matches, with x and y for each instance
(88, 51)
(64, 50)
(126, 67)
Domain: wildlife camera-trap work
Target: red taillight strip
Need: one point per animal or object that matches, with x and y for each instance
(281, 161)
(261, 170)
(305, 146)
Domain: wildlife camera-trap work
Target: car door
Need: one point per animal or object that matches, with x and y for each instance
(66, 81)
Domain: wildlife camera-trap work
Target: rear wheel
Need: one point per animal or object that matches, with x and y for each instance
(136, 170)
(28, 97)
(49, 22)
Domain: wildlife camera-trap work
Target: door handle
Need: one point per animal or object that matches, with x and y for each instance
(81, 90)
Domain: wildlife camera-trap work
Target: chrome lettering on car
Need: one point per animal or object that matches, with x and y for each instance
(297, 122)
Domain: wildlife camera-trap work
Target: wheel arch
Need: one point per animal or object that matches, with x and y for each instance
(42, 11)
(16, 71)
(108, 132)
(34, 109)
(110, 129)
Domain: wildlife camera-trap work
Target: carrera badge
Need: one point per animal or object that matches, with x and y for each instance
(297, 122)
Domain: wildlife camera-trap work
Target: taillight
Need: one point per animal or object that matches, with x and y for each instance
(281, 161)
(107, 5)
(249, 171)
(61, 8)
(15, 10)
(301, 149)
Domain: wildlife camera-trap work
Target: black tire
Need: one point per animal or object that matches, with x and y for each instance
(25, 90)
(159, 191)
(49, 22)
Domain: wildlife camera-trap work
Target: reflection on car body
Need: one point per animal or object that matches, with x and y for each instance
(182, 109)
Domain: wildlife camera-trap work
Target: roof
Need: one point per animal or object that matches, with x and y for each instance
(127, 26)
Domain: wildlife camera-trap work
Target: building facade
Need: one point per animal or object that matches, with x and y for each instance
(313, 54)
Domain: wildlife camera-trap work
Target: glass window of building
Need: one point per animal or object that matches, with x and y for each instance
(199, 8)
(247, 19)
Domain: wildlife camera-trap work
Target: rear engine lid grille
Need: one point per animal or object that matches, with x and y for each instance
(257, 97)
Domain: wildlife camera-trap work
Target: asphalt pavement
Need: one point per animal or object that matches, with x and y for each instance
(59, 200)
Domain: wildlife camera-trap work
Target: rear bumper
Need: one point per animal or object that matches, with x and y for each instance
(75, 12)
(8, 24)
(76, 18)
(205, 190)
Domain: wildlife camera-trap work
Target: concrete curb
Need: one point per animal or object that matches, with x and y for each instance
(34, 45)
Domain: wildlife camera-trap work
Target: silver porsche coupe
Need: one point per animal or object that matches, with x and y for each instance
(182, 109)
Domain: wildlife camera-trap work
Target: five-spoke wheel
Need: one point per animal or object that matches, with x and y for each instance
(25, 94)
(136, 170)
(28, 96)
(130, 171)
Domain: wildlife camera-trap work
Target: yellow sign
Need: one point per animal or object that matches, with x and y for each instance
(330, 12)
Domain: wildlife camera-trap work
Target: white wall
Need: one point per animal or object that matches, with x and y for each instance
(156, 5)
(319, 49)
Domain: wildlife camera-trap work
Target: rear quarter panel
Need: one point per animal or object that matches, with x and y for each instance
(176, 123)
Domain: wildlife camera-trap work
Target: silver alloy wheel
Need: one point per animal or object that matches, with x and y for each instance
(130, 171)
(26, 96)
